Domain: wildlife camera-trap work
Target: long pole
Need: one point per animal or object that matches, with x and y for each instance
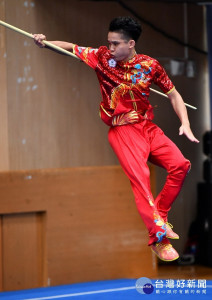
(164, 95)
(32, 37)
(61, 50)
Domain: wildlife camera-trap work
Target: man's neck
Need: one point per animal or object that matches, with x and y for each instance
(132, 54)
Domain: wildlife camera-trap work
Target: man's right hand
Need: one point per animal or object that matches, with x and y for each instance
(38, 39)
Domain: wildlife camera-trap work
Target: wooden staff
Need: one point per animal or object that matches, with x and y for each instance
(63, 51)
(164, 95)
(32, 37)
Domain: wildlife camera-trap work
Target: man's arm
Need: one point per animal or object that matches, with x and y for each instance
(86, 54)
(39, 38)
(180, 109)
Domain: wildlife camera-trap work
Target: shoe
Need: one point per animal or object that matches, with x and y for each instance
(165, 251)
(170, 234)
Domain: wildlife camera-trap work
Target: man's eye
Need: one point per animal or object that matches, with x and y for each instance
(114, 43)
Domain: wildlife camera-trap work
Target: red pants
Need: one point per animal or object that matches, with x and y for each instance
(134, 145)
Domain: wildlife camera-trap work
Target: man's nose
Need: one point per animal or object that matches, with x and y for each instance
(111, 48)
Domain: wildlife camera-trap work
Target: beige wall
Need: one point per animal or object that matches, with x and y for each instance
(49, 102)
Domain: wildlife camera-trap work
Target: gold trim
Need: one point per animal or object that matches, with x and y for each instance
(135, 106)
(170, 90)
(105, 111)
(73, 49)
(134, 102)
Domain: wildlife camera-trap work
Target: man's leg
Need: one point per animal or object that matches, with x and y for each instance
(131, 145)
(166, 154)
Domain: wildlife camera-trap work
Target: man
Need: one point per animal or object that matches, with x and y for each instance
(125, 78)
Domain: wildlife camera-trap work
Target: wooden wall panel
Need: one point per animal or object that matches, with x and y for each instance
(93, 228)
(53, 100)
(23, 251)
(4, 157)
(1, 257)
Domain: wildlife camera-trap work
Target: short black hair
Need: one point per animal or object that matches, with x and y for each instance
(129, 27)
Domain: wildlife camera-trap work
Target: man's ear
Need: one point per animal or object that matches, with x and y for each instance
(131, 43)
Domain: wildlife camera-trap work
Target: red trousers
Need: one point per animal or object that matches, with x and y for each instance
(134, 145)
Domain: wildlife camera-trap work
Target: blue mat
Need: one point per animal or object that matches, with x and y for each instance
(122, 289)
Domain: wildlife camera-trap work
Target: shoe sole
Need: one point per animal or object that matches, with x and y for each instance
(168, 237)
(162, 258)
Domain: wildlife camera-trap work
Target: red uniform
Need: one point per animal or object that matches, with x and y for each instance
(125, 88)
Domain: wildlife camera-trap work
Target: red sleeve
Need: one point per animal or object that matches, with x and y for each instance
(87, 54)
(162, 79)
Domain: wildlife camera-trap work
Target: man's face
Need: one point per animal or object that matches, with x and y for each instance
(119, 47)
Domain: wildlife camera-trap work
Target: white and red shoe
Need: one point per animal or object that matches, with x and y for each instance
(164, 250)
(170, 234)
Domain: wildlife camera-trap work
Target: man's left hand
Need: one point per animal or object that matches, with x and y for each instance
(186, 130)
